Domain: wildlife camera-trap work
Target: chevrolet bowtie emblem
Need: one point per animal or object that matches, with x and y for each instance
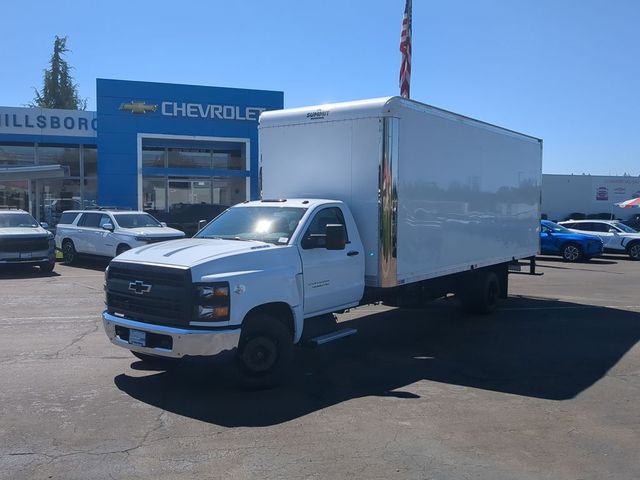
(139, 287)
(138, 107)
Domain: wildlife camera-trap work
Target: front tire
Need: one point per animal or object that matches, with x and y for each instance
(69, 252)
(265, 352)
(47, 267)
(571, 252)
(122, 248)
(633, 251)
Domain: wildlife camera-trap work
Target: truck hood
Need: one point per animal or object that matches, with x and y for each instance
(154, 232)
(26, 231)
(189, 252)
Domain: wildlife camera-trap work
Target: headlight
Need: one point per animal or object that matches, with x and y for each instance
(210, 291)
(213, 313)
(142, 239)
(212, 302)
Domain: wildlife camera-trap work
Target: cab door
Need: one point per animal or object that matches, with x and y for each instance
(333, 279)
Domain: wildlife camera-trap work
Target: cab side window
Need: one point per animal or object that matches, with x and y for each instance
(315, 236)
(599, 227)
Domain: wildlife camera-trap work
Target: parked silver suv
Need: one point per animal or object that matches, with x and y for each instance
(23, 241)
(108, 233)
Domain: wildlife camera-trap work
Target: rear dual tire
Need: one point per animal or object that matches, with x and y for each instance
(480, 293)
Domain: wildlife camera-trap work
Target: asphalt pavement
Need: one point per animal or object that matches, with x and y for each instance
(546, 388)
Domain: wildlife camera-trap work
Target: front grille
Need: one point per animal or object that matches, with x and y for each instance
(164, 297)
(160, 239)
(24, 244)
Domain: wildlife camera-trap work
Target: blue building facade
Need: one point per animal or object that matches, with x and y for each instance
(152, 146)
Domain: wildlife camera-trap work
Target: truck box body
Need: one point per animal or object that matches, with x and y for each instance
(432, 192)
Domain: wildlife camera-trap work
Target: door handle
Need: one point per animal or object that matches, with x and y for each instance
(352, 253)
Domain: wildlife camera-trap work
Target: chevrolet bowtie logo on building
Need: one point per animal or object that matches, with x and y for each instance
(138, 107)
(139, 287)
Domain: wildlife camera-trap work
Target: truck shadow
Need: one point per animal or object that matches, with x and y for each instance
(536, 348)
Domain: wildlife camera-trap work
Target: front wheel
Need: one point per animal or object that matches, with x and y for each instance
(69, 252)
(265, 352)
(122, 248)
(47, 267)
(634, 251)
(571, 252)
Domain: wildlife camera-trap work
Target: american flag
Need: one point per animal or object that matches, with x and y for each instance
(405, 49)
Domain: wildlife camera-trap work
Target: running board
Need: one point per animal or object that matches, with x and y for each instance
(330, 337)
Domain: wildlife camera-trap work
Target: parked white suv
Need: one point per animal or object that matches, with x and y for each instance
(616, 236)
(23, 241)
(108, 233)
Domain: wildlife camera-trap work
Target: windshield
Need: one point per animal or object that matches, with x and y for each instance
(554, 227)
(136, 220)
(625, 228)
(265, 224)
(17, 220)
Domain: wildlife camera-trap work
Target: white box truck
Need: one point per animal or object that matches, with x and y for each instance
(384, 200)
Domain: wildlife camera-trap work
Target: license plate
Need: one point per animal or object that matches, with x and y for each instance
(137, 338)
(26, 255)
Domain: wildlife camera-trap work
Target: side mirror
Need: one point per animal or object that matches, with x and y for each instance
(336, 237)
(163, 224)
(44, 224)
(202, 224)
(108, 226)
(613, 230)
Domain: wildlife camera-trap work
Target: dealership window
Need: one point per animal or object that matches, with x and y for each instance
(189, 157)
(90, 161)
(56, 196)
(154, 194)
(68, 156)
(154, 157)
(231, 156)
(168, 193)
(16, 154)
(14, 193)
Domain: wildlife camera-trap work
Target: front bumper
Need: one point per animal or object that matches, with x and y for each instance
(182, 341)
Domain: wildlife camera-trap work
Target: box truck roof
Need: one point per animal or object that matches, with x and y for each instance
(370, 108)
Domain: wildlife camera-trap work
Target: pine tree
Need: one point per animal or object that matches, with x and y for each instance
(58, 90)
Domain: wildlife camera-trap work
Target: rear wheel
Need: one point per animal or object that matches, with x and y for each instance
(69, 252)
(634, 251)
(571, 252)
(265, 352)
(481, 293)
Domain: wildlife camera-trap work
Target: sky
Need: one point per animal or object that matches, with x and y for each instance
(566, 71)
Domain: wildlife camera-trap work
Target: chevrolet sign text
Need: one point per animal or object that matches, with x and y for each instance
(221, 112)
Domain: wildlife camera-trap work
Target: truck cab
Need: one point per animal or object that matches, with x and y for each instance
(279, 261)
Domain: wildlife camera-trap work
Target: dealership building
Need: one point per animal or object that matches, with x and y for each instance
(160, 147)
(150, 146)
